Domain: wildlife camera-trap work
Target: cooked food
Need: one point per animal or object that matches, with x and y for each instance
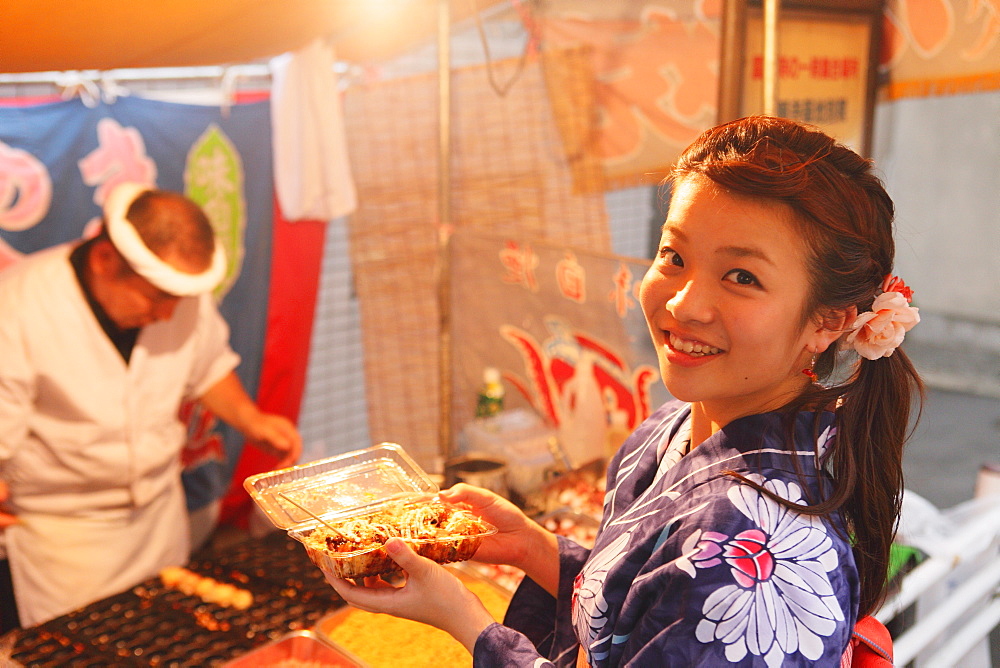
(206, 588)
(384, 641)
(353, 548)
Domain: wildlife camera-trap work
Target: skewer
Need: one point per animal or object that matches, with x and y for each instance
(312, 515)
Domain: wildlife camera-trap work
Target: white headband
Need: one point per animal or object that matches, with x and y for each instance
(144, 261)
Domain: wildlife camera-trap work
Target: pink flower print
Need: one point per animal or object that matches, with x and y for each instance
(782, 601)
(749, 558)
(701, 550)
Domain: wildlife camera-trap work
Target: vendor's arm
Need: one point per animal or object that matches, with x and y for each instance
(275, 434)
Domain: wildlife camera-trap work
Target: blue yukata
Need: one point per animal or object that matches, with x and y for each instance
(691, 566)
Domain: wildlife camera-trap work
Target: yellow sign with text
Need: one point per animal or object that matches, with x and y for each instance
(822, 73)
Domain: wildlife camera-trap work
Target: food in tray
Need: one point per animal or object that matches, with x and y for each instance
(352, 548)
(384, 641)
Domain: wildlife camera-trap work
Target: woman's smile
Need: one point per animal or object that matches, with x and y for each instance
(691, 347)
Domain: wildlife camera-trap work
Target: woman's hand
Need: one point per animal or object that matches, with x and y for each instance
(520, 541)
(430, 595)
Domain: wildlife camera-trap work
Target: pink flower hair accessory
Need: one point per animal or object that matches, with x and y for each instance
(878, 332)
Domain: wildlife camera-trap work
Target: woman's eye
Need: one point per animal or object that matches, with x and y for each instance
(742, 277)
(670, 256)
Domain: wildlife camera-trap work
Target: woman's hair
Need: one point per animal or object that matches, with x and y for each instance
(845, 218)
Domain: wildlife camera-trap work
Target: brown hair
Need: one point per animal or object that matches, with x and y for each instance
(168, 221)
(845, 218)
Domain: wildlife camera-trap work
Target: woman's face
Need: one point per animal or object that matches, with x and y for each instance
(724, 300)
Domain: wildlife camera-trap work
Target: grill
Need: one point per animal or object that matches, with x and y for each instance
(151, 625)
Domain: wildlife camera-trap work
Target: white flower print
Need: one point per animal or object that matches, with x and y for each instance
(782, 601)
(590, 608)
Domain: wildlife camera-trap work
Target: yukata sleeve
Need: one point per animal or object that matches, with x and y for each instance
(537, 630)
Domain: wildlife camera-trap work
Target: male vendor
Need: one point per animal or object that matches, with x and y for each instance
(100, 342)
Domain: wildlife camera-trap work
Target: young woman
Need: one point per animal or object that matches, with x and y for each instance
(748, 521)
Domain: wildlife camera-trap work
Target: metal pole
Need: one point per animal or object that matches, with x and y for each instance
(444, 112)
(444, 226)
(771, 11)
(734, 18)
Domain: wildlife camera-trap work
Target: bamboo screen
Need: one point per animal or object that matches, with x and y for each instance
(520, 166)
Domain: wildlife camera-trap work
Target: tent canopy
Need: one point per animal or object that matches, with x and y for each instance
(56, 35)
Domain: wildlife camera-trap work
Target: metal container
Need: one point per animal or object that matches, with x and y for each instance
(486, 471)
(304, 646)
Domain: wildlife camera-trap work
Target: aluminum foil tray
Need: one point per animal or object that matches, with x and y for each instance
(298, 648)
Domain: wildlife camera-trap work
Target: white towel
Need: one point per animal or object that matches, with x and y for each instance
(312, 174)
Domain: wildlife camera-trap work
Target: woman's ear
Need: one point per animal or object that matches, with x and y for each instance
(828, 327)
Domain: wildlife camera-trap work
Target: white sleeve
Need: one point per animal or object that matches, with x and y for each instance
(17, 379)
(215, 358)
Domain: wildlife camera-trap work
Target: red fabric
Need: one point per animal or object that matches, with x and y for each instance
(296, 259)
(248, 96)
(29, 101)
(870, 646)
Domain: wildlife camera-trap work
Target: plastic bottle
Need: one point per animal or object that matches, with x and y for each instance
(489, 401)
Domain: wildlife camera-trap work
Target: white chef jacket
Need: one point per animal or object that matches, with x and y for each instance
(90, 445)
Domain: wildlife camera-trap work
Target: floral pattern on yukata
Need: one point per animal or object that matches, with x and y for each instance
(694, 568)
(781, 600)
(590, 608)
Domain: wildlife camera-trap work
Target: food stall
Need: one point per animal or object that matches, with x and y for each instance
(295, 619)
(264, 601)
(578, 377)
(153, 624)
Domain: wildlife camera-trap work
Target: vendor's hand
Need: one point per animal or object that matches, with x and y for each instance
(520, 541)
(430, 595)
(6, 519)
(277, 436)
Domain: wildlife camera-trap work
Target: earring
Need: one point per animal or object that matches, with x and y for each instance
(808, 371)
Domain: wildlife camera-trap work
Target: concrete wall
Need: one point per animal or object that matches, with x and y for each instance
(940, 159)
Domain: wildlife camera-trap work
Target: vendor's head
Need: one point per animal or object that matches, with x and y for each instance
(155, 247)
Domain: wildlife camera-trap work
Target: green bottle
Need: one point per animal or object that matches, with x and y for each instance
(489, 401)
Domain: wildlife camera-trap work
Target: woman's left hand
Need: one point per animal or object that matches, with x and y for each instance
(430, 595)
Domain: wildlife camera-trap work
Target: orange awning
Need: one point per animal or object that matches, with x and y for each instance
(55, 35)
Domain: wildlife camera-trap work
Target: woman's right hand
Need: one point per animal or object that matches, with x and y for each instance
(520, 541)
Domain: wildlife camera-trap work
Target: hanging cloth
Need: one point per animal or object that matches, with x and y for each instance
(312, 174)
